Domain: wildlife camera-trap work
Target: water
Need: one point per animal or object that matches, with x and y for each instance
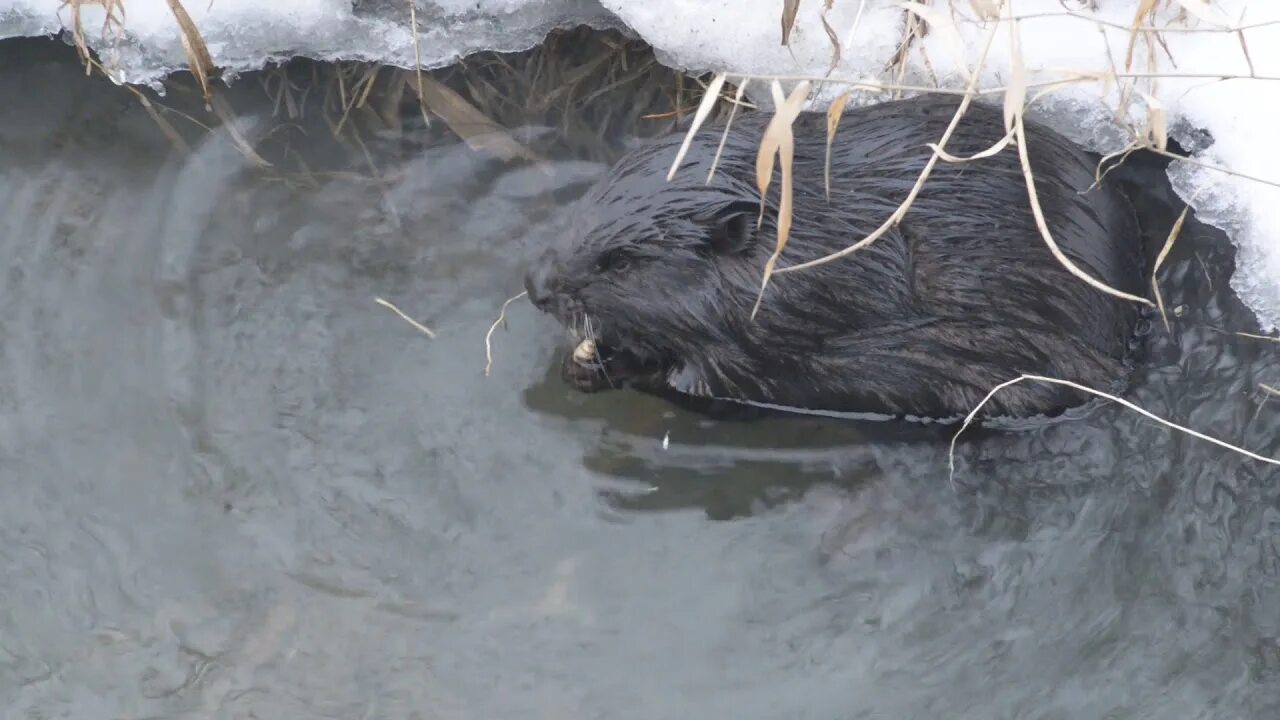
(233, 486)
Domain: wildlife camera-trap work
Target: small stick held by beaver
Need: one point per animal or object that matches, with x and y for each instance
(658, 278)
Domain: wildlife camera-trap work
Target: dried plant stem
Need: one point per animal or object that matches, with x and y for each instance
(1038, 212)
(417, 60)
(417, 325)
(1211, 166)
(502, 316)
(1140, 28)
(924, 175)
(733, 110)
(951, 455)
(1164, 252)
(704, 109)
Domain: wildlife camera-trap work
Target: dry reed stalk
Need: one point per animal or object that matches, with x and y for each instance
(1014, 110)
(834, 113)
(780, 140)
(198, 58)
(1269, 338)
(222, 109)
(789, 10)
(1164, 252)
(951, 455)
(417, 60)
(115, 16)
(416, 325)
(502, 317)
(901, 211)
(704, 109)
(724, 136)
(1038, 213)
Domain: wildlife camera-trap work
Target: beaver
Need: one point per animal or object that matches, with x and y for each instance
(961, 295)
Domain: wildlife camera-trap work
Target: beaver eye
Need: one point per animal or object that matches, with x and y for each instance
(615, 260)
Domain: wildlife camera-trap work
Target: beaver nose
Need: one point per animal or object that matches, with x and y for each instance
(537, 282)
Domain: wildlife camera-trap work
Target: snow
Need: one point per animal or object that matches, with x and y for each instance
(246, 34)
(743, 37)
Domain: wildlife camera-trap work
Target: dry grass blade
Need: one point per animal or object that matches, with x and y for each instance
(768, 149)
(417, 59)
(1268, 389)
(724, 136)
(897, 215)
(1204, 11)
(946, 28)
(857, 21)
(163, 123)
(834, 113)
(994, 149)
(835, 43)
(223, 111)
(193, 43)
(502, 317)
(474, 127)
(115, 16)
(1164, 252)
(1216, 168)
(951, 455)
(1122, 153)
(1038, 213)
(417, 325)
(1013, 119)
(1015, 95)
(1271, 338)
(1146, 9)
(1244, 48)
(699, 117)
(779, 139)
(1014, 106)
(1157, 129)
(789, 10)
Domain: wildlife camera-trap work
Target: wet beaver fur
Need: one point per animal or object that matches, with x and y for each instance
(962, 295)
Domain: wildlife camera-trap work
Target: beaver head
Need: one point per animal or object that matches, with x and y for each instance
(661, 276)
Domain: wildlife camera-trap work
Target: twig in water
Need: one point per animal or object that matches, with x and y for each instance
(502, 316)
(420, 327)
(951, 454)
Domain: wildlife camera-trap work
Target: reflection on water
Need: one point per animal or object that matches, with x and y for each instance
(234, 486)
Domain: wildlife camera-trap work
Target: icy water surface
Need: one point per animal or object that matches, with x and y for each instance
(233, 486)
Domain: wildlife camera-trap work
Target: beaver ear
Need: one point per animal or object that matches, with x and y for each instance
(733, 228)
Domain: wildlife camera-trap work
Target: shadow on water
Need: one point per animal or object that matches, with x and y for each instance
(234, 486)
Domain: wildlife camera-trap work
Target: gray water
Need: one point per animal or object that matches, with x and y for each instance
(233, 486)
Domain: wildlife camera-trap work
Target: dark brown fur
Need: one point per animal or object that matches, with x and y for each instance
(963, 294)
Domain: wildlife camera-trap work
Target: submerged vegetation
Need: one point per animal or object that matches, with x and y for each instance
(554, 99)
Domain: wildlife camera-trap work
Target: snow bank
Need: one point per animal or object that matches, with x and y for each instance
(246, 34)
(742, 36)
